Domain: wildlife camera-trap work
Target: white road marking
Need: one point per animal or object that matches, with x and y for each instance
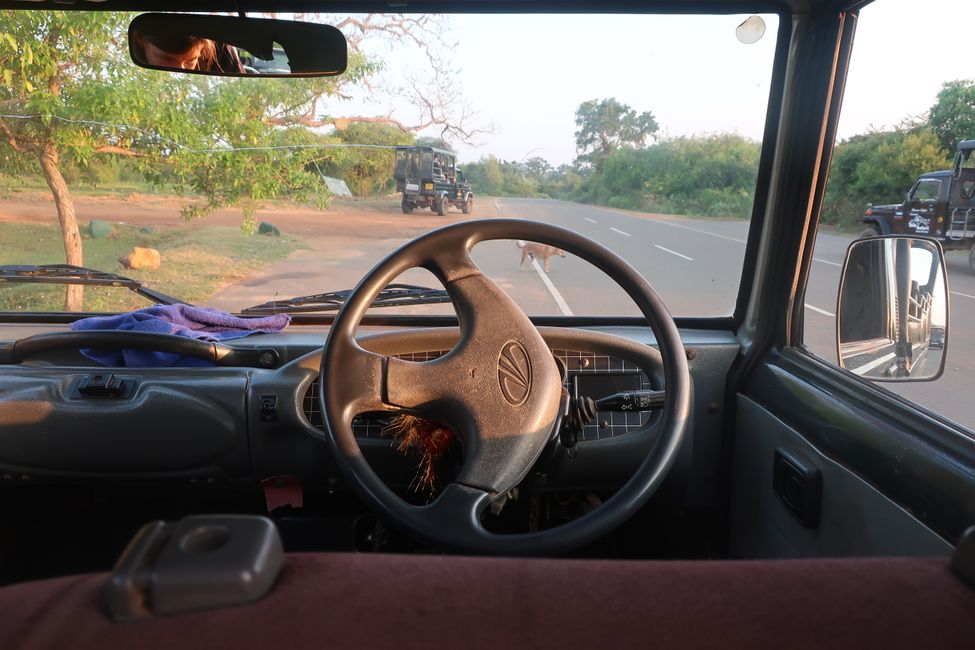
(559, 300)
(963, 295)
(625, 234)
(590, 220)
(816, 259)
(667, 250)
(702, 232)
(820, 311)
(867, 367)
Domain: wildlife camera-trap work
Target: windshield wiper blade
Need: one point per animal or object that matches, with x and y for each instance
(71, 274)
(395, 295)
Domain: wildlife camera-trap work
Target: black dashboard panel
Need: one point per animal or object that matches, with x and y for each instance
(584, 373)
(166, 423)
(243, 425)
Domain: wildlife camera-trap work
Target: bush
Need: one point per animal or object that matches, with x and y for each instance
(877, 168)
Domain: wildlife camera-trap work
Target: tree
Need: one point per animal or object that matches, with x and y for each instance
(711, 175)
(485, 176)
(516, 181)
(952, 118)
(436, 143)
(71, 95)
(48, 68)
(537, 167)
(604, 126)
(878, 167)
(366, 169)
(435, 95)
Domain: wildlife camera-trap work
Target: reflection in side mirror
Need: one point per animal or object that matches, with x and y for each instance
(236, 47)
(892, 316)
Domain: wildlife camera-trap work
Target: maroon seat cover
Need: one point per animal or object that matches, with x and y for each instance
(405, 602)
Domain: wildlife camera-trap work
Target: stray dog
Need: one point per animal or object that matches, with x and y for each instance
(533, 251)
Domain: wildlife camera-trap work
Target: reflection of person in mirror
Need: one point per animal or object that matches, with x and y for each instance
(185, 52)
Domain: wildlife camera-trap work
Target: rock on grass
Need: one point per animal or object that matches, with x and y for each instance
(141, 258)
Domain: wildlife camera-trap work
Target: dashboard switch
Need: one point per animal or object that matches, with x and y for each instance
(103, 385)
(269, 408)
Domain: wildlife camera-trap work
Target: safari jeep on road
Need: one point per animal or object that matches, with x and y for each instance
(940, 205)
(429, 177)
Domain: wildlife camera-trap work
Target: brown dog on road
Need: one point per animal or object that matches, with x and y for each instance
(533, 251)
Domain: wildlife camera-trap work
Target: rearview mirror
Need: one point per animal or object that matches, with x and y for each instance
(236, 47)
(892, 316)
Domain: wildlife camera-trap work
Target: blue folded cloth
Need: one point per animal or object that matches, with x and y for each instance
(202, 323)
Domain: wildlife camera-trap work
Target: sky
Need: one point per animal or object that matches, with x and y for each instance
(904, 50)
(525, 75)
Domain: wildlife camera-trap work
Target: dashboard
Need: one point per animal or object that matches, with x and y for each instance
(228, 425)
(584, 373)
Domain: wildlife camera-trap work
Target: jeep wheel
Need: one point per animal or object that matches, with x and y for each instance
(441, 205)
(468, 205)
(407, 206)
(869, 231)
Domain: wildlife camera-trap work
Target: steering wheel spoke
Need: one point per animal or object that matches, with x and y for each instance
(457, 509)
(421, 385)
(452, 262)
(359, 387)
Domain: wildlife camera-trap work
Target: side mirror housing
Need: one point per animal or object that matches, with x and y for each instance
(892, 311)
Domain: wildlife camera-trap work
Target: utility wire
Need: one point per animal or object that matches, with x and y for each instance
(188, 149)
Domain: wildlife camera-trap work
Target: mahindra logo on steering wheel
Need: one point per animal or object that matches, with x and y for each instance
(514, 373)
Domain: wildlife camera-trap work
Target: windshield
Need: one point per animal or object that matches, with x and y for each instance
(640, 132)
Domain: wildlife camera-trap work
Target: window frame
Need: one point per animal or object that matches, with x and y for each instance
(926, 181)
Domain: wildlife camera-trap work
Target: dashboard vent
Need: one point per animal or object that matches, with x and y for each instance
(313, 407)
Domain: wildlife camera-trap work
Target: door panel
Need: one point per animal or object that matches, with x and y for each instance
(855, 519)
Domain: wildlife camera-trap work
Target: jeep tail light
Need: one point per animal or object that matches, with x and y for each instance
(868, 212)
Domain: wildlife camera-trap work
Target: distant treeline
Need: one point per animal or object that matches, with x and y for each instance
(620, 164)
(714, 175)
(707, 176)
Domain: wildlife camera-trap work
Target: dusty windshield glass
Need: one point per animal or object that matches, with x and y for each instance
(640, 132)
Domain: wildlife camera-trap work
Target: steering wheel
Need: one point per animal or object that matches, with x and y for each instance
(498, 389)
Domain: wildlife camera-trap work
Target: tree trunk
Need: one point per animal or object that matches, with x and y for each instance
(51, 164)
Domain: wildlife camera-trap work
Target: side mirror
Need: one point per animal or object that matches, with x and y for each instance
(236, 47)
(892, 312)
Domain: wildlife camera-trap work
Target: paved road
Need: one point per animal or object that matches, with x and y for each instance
(694, 264)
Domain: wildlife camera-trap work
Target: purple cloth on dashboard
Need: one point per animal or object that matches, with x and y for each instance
(202, 323)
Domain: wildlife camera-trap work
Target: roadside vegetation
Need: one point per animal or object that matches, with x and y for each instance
(622, 164)
(79, 117)
(77, 113)
(196, 263)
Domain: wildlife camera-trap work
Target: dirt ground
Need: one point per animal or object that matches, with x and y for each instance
(338, 245)
(365, 219)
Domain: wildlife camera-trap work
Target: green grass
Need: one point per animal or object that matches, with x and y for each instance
(196, 262)
(11, 186)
